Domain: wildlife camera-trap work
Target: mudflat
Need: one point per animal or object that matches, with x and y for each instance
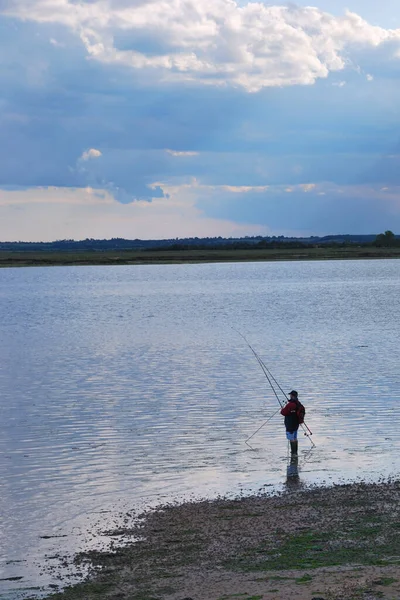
(331, 543)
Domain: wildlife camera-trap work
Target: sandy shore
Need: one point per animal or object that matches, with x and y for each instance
(332, 543)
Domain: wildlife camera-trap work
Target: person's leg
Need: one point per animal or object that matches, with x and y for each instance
(294, 444)
(292, 437)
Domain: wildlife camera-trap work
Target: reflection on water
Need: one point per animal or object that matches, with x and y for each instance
(122, 387)
(292, 472)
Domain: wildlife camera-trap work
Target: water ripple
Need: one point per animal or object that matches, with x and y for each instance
(124, 385)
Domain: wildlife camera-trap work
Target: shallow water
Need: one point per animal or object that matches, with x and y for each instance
(126, 386)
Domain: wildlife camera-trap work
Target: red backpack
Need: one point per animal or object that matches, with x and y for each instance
(300, 412)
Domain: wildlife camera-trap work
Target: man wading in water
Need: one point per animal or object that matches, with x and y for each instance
(294, 415)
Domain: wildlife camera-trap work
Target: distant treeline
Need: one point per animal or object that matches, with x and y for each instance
(119, 244)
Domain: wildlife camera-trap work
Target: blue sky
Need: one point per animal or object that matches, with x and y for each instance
(147, 119)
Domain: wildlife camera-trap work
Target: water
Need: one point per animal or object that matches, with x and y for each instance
(126, 386)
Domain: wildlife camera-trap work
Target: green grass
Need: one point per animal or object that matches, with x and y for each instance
(273, 578)
(360, 543)
(244, 596)
(226, 597)
(385, 581)
(124, 257)
(304, 579)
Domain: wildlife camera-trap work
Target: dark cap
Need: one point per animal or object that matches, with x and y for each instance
(293, 393)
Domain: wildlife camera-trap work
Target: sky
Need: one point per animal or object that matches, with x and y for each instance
(170, 119)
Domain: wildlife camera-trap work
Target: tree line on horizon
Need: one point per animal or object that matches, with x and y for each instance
(386, 239)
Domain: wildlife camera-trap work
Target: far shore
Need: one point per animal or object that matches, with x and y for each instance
(164, 256)
(326, 543)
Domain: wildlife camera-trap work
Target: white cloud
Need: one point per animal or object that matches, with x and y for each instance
(308, 187)
(56, 43)
(195, 186)
(46, 214)
(58, 213)
(91, 153)
(215, 42)
(243, 189)
(181, 152)
(363, 191)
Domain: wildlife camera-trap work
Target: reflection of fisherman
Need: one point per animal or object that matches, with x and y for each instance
(292, 471)
(291, 421)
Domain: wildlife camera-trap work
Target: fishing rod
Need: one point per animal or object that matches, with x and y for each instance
(273, 378)
(264, 368)
(269, 376)
(267, 421)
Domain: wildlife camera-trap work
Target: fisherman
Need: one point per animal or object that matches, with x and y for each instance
(292, 420)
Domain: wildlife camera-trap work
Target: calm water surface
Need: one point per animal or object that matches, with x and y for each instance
(126, 386)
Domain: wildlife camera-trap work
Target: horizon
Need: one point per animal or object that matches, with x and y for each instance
(231, 118)
(181, 239)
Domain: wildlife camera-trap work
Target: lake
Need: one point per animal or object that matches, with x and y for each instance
(124, 387)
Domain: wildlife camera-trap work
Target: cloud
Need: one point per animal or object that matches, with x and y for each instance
(110, 77)
(91, 153)
(181, 152)
(243, 189)
(56, 43)
(46, 214)
(54, 196)
(214, 42)
(308, 187)
(114, 174)
(193, 209)
(327, 208)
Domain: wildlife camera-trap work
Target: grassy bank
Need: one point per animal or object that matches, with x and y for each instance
(332, 543)
(128, 257)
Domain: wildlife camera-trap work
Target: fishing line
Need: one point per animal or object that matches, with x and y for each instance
(269, 418)
(263, 367)
(266, 370)
(269, 376)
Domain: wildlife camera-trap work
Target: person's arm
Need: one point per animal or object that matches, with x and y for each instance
(286, 410)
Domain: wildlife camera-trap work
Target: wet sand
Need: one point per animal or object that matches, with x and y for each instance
(341, 542)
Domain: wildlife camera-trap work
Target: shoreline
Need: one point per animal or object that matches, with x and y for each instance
(157, 257)
(330, 543)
